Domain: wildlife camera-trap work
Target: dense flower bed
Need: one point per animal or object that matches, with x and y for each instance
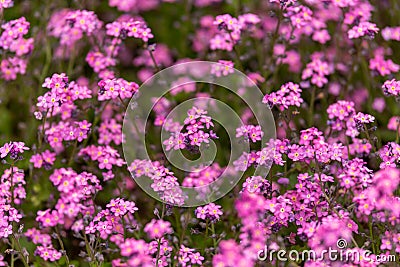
(327, 71)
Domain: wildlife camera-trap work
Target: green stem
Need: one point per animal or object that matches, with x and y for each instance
(123, 103)
(154, 60)
(41, 136)
(271, 48)
(71, 158)
(366, 75)
(213, 235)
(372, 237)
(71, 63)
(159, 240)
(62, 247)
(311, 111)
(90, 252)
(369, 138)
(237, 54)
(124, 226)
(47, 60)
(12, 253)
(19, 248)
(95, 121)
(158, 251)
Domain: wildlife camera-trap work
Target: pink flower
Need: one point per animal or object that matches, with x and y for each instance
(70, 25)
(364, 118)
(48, 253)
(12, 148)
(362, 29)
(384, 67)
(210, 211)
(299, 15)
(224, 68)
(391, 87)
(394, 123)
(288, 95)
(157, 228)
(6, 3)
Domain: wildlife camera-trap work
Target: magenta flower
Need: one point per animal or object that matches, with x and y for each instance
(391, 87)
(12, 148)
(158, 228)
(362, 29)
(211, 212)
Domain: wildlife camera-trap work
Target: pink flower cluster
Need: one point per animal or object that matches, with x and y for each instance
(328, 232)
(109, 221)
(106, 156)
(210, 212)
(62, 94)
(156, 229)
(251, 133)
(223, 69)
(116, 88)
(391, 33)
(12, 192)
(390, 154)
(45, 248)
(299, 15)
(76, 192)
(56, 134)
(11, 66)
(13, 149)
(164, 183)
(228, 248)
(135, 6)
(131, 28)
(48, 253)
(391, 88)
(6, 4)
(45, 159)
(187, 256)
(341, 117)
(379, 197)
(100, 62)
(12, 37)
(110, 131)
(257, 184)
(194, 135)
(381, 66)
(364, 28)
(355, 174)
(288, 95)
(12, 40)
(293, 206)
(71, 25)
(136, 252)
(317, 70)
(361, 118)
(271, 153)
(230, 30)
(203, 177)
(389, 239)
